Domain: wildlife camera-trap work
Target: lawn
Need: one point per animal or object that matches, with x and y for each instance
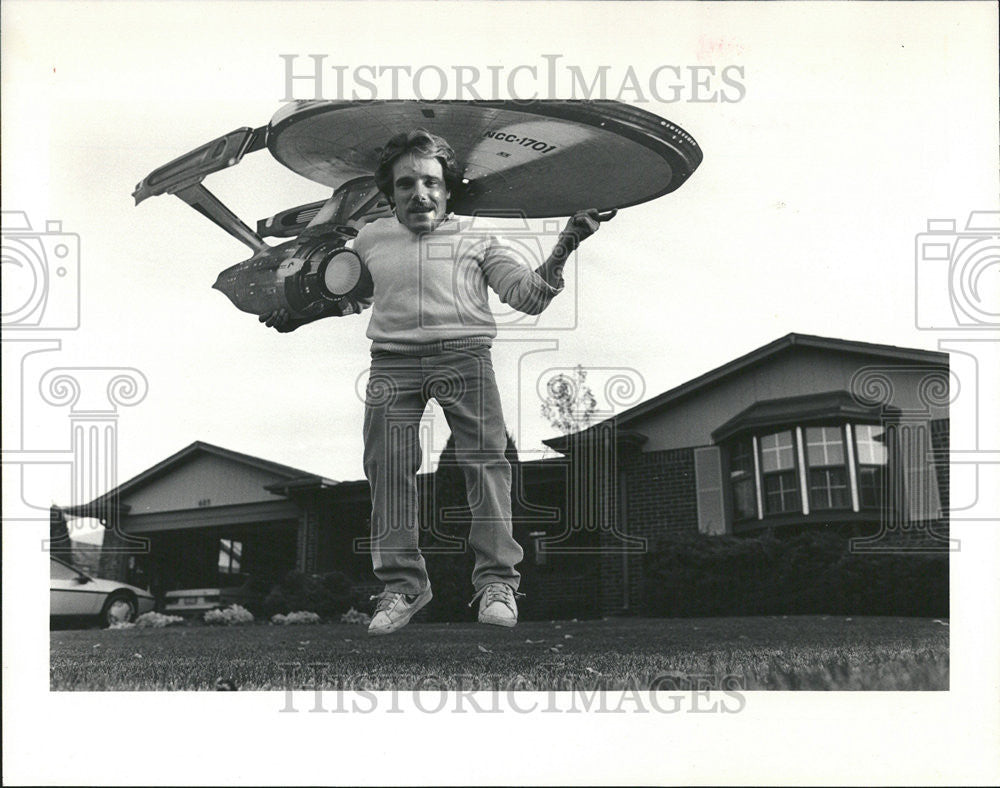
(760, 653)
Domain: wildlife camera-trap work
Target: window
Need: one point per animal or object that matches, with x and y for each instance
(817, 469)
(777, 458)
(741, 479)
(828, 487)
(873, 457)
(230, 555)
(58, 571)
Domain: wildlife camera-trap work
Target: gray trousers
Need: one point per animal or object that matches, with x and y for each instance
(464, 385)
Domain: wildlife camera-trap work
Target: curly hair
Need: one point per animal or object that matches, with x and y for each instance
(421, 143)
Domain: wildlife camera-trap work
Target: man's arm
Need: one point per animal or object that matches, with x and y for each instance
(581, 226)
(531, 291)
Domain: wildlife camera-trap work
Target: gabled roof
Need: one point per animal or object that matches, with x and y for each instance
(759, 356)
(101, 503)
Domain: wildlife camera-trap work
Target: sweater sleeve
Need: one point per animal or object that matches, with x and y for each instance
(510, 272)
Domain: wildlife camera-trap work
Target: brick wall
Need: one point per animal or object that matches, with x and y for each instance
(660, 499)
(940, 443)
(558, 595)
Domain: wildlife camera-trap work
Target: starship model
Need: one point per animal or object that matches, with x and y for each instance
(519, 159)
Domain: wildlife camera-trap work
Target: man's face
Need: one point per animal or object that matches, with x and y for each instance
(419, 191)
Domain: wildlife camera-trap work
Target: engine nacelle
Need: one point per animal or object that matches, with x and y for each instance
(309, 277)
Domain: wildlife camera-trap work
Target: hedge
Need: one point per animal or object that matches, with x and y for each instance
(327, 595)
(808, 573)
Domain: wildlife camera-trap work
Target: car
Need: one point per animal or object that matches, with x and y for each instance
(198, 601)
(75, 595)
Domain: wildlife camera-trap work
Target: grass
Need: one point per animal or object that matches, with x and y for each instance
(761, 653)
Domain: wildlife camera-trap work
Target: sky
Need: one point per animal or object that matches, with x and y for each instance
(847, 137)
(856, 124)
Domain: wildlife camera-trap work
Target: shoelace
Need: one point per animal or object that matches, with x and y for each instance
(497, 592)
(385, 600)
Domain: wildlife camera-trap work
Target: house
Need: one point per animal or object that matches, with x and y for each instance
(803, 432)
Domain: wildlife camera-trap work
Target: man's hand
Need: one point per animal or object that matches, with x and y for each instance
(279, 320)
(581, 226)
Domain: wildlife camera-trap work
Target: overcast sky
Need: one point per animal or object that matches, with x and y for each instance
(857, 123)
(850, 134)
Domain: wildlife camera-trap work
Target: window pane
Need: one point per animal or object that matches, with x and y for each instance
(781, 493)
(828, 488)
(870, 440)
(229, 556)
(741, 460)
(870, 486)
(744, 499)
(59, 572)
(777, 451)
(824, 446)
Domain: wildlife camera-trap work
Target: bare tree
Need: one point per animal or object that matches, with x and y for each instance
(570, 403)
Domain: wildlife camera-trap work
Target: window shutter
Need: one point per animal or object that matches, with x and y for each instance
(708, 481)
(920, 490)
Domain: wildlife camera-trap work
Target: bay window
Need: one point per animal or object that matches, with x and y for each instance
(813, 469)
(827, 457)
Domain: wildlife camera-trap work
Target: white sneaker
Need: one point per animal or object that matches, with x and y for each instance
(394, 610)
(497, 605)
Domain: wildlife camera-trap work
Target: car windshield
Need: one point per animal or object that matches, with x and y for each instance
(60, 571)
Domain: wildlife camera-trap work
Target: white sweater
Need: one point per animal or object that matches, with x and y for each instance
(432, 287)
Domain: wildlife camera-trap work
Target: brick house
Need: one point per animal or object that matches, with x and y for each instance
(803, 432)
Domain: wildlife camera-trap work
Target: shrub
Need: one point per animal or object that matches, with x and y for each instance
(157, 620)
(152, 619)
(353, 616)
(234, 614)
(327, 595)
(298, 617)
(812, 572)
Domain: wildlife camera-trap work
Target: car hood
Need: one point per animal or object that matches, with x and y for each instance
(107, 586)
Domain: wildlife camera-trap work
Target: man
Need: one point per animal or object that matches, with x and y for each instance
(431, 330)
